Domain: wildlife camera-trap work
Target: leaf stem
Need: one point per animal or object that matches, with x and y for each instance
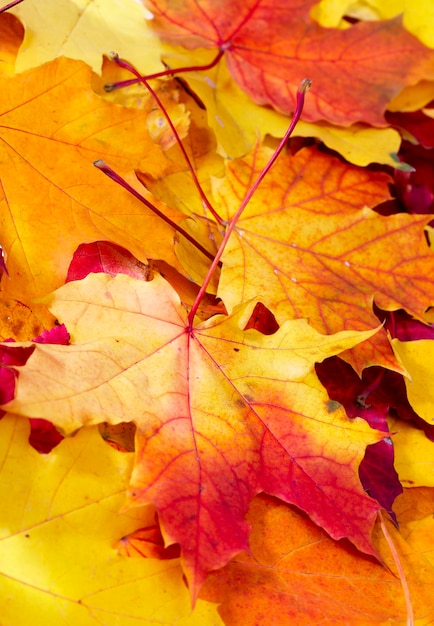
(145, 81)
(405, 588)
(304, 86)
(10, 5)
(108, 171)
(169, 72)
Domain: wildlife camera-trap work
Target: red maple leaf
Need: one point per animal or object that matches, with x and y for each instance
(271, 45)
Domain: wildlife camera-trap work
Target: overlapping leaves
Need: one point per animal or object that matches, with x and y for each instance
(322, 253)
(58, 540)
(52, 128)
(223, 411)
(269, 46)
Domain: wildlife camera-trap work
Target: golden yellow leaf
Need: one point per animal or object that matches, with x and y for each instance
(418, 17)
(85, 30)
(329, 13)
(414, 460)
(418, 359)
(419, 20)
(60, 523)
(305, 242)
(413, 98)
(17, 321)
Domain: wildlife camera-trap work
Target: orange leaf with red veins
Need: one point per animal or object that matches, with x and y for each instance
(294, 570)
(270, 46)
(310, 247)
(221, 413)
(52, 128)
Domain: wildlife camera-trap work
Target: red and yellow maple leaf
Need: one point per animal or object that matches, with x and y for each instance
(222, 413)
(269, 47)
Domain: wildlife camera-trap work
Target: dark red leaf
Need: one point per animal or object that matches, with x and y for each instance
(43, 435)
(417, 123)
(404, 327)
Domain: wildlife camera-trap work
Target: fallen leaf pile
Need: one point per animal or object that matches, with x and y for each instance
(250, 444)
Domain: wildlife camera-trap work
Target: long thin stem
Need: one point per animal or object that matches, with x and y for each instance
(108, 171)
(145, 82)
(304, 86)
(10, 5)
(168, 72)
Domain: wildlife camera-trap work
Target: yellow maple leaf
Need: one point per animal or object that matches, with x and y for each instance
(60, 523)
(310, 247)
(84, 30)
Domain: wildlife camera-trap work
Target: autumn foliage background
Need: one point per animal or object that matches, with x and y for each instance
(261, 454)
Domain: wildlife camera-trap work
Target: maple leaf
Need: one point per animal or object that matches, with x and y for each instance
(322, 254)
(270, 47)
(52, 129)
(415, 190)
(60, 522)
(418, 124)
(294, 573)
(81, 30)
(237, 120)
(106, 257)
(221, 413)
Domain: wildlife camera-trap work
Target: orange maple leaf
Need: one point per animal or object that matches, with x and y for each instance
(308, 244)
(294, 573)
(270, 46)
(222, 413)
(52, 128)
